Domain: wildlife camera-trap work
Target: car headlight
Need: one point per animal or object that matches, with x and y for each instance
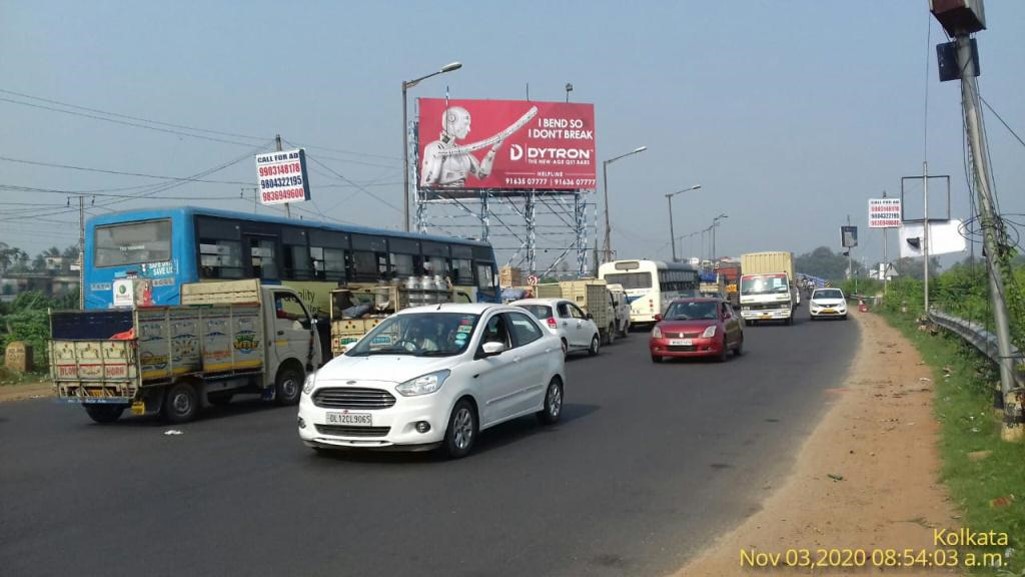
(423, 385)
(709, 332)
(311, 380)
(656, 333)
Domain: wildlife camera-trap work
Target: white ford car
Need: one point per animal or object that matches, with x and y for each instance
(828, 302)
(435, 376)
(574, 327)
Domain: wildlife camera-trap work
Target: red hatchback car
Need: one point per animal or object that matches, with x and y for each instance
(696, 327)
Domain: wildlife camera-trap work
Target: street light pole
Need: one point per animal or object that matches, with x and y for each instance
(669, 197)
(715, 225)
(407, 84)
(607, 249)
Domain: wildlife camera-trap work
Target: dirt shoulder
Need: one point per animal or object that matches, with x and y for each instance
(867, 478)
(22, 391)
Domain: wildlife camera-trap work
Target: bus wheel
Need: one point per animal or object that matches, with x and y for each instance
(104, 413)
(181, 403)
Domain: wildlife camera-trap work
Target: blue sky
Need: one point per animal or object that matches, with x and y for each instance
(789, 114)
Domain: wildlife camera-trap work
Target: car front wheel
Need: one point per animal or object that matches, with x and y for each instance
(595, 345)
(462, 430)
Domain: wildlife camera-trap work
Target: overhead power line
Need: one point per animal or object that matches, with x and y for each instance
(122, 172)
(139, 119)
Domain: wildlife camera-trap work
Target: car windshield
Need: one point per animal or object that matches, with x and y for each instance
(764, 285)
(692, 311)
(418, 334)
(827, 294)
(542, 312)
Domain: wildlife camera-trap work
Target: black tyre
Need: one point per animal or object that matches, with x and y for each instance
(104, 413)
(461, 434)
(595, 346)
(219, 399)
(656, 359)
(552, 409)
(181, 403)
(723, 354)
(740, 347)
(844, 317)
(288, 386)
(565, 348)
(612, 335)
(790, 320)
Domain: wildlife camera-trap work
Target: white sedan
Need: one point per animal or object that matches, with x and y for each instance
(564, 319)
(435, 376)
(828, 302)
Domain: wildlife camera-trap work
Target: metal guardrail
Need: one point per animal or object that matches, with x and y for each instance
(982, 339)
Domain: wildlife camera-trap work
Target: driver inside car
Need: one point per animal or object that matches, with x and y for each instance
(419, 337)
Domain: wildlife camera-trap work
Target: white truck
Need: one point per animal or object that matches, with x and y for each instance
(767, 289)
(225, 338)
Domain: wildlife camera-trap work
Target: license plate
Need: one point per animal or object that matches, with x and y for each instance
(828, 311)
(680, 342)
(357, 419)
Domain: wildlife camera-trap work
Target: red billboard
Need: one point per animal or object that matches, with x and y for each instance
(468, 145)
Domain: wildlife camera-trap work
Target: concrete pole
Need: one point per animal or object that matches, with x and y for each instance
(992, 228)
(925, 233)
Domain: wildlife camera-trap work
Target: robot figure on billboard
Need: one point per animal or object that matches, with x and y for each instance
(446, 164)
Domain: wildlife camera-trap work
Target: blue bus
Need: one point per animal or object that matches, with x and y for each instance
(164, 248)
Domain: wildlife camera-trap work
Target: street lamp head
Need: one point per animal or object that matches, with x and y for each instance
(451, 66)
(639, 149)
(695, 187)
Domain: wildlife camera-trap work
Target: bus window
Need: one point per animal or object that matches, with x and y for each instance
(262, 257)
(405, 257)
(220, 248)
(220, 259)
(328, 251)
(369, 258)
(485, 275)
(436, 259)
(462, 273)
(297, 262)
(132, 243)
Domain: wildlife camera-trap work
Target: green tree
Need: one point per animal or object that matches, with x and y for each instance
(824, 263)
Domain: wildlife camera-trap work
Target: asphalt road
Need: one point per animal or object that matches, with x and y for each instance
(650, 463)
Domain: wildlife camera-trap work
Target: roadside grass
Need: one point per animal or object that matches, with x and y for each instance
(9, 377)
(989, 492)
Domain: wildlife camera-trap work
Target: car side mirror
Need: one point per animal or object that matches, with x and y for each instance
(658, 317)
(589, 316)
(492, 349)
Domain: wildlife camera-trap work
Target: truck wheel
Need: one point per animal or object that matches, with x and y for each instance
(104, 413)
(181, 403)
(612, 335)
(288, 386)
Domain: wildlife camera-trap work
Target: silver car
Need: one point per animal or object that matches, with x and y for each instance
(574, 327)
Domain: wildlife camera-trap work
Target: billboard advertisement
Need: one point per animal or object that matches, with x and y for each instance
(282, 176)
(848, 236)
(472, 145)
(884, 213)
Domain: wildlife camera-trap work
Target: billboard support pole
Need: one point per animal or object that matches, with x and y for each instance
(485, 220)
(530, 214)
(580, 224)
(277, 147)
